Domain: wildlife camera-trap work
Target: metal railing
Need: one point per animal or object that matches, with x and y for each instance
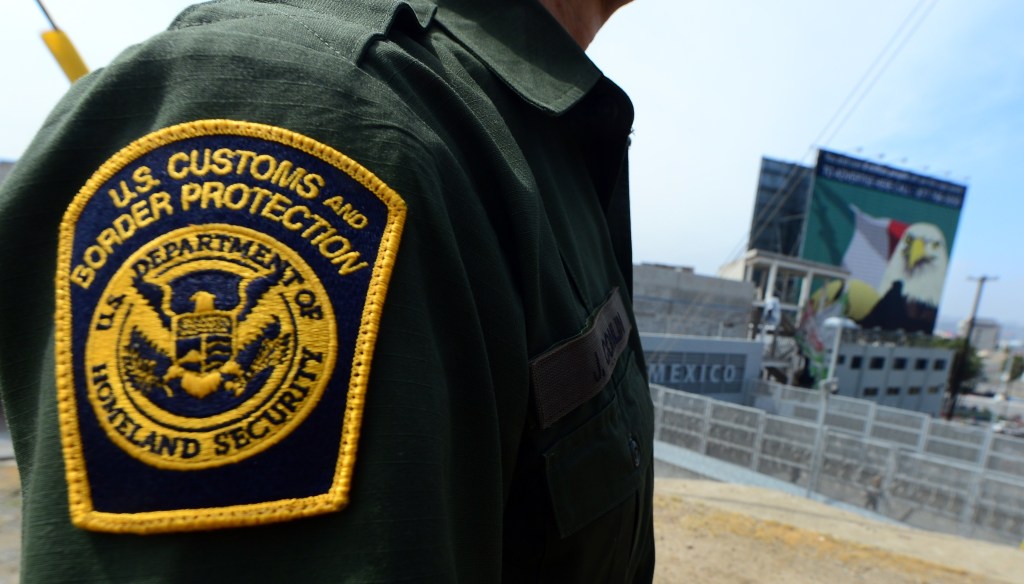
(927, 473)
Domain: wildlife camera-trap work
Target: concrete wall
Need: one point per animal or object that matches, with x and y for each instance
(674, 300)
(717, 368)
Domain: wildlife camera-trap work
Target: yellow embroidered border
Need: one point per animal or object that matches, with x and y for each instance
(80, 500)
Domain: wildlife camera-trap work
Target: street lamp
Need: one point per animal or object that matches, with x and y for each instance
(826, 386)
(839, 323)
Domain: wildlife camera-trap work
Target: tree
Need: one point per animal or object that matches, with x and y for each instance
(1016, 367)
(972, 369)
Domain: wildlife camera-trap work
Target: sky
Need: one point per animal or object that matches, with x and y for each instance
(716, 86)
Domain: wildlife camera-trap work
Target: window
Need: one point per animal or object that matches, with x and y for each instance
(934, 389)
(921, 364)
(892, 391)
(913, 390)
(899, 363)
(870, 391)
(939, 365)
(841, 359)
(877, 362)
(856, 362)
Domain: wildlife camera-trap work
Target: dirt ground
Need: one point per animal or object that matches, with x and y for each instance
(711, 533)
(10, 522)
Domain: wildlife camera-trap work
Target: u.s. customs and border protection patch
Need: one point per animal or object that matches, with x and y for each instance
(219, 288)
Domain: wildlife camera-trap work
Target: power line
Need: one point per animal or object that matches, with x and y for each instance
(868, 80)
(886, 56)
(892, 57)
(892, 48)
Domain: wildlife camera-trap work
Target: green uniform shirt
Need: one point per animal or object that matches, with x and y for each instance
(508, 148)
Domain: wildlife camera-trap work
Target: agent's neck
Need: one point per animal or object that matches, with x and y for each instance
(582, 18)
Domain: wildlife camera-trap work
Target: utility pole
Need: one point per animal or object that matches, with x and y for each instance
(960, 361)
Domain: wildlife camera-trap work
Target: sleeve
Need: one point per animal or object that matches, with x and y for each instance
(446, 356)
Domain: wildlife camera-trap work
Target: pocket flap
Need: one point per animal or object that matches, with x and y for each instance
(593, 469)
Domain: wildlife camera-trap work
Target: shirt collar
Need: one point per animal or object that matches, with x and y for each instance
(525, 47)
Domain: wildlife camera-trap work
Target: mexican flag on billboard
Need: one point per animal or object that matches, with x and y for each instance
(814, 338)
(892, 229)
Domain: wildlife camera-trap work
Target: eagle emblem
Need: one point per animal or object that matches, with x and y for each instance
(210, 347)
(215, 341)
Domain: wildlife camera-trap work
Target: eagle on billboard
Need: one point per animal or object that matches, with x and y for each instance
(904, 263)
(892, 230)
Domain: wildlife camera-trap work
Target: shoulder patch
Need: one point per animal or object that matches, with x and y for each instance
(219, 289)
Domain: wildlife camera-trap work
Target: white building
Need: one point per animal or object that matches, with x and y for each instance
(899, 376)
(985, 336)
(788, 279)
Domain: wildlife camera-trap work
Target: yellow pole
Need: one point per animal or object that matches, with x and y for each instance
(62, 49)
(65, 53)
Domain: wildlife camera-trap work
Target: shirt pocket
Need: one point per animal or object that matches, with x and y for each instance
(601, 463)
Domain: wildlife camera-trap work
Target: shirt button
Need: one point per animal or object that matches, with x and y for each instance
(634, 449)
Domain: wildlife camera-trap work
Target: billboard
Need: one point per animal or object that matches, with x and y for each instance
(892, 229)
